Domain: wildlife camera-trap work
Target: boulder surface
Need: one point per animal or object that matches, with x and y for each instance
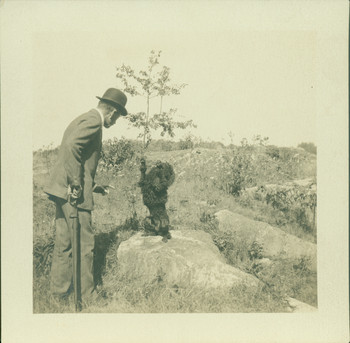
(275, 241)
(297, 306)
(189, 258)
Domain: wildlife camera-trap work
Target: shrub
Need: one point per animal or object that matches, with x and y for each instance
(239, 170)
(273, 152)
(187, 143)
(297, 204)
(253, 164)
(114, 153)
(167, 146)
(290, 206)
(309, 147)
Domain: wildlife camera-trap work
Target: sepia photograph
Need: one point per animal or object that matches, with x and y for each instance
(178, 164)
(173, 215)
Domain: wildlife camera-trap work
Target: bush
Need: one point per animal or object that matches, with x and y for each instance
(298, 204)
(253, 164)
(291, 206)
(238, 173)
(309, 147)
(187, 143)
(167, 146)
(115, 153)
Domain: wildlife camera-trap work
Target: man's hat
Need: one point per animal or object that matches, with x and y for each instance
(116, 98)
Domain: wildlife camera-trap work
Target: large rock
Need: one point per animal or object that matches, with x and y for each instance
(189, 259)
(287, 185)
(275, 242)
(297, 306)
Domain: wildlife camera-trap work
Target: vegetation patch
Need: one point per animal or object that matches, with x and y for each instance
(282, 277)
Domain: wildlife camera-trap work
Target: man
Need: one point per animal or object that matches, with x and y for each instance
(72, 184)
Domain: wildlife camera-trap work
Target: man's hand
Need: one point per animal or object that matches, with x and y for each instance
(74, 193)
(104, 190)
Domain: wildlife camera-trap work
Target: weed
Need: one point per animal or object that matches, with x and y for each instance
(255, 250)
(114, 153)
(206, 217)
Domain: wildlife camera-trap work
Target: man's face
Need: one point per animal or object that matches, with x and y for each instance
(111, 118)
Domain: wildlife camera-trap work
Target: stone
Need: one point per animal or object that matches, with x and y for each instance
(275, 242)
(189, 259)
(309, 182)
(297, 306)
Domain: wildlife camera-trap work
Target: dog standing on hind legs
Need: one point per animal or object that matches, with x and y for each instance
(154, 186)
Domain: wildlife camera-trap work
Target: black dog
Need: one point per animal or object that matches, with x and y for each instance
(154, 186)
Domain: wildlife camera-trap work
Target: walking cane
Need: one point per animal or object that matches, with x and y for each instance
(76, 259)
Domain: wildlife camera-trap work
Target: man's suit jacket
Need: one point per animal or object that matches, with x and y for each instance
(78, 158)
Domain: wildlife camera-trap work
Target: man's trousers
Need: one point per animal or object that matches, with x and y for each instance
(62, 261)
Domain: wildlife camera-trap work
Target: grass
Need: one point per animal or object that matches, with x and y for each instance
(281, 276)
(159, 298)
(193, 199)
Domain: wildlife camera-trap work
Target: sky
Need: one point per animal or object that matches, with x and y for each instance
(250, 68)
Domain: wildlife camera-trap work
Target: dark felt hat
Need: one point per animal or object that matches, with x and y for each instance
(116, 98)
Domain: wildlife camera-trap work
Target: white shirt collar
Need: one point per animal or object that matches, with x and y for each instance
(102, 117)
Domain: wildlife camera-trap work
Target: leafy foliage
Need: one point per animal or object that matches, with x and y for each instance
(297, 203)
(115, 153)
(253, 164)
(187, 143)
(152, 83)
(309, 147)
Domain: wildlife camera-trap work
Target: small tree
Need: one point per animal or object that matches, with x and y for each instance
(152, 83)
